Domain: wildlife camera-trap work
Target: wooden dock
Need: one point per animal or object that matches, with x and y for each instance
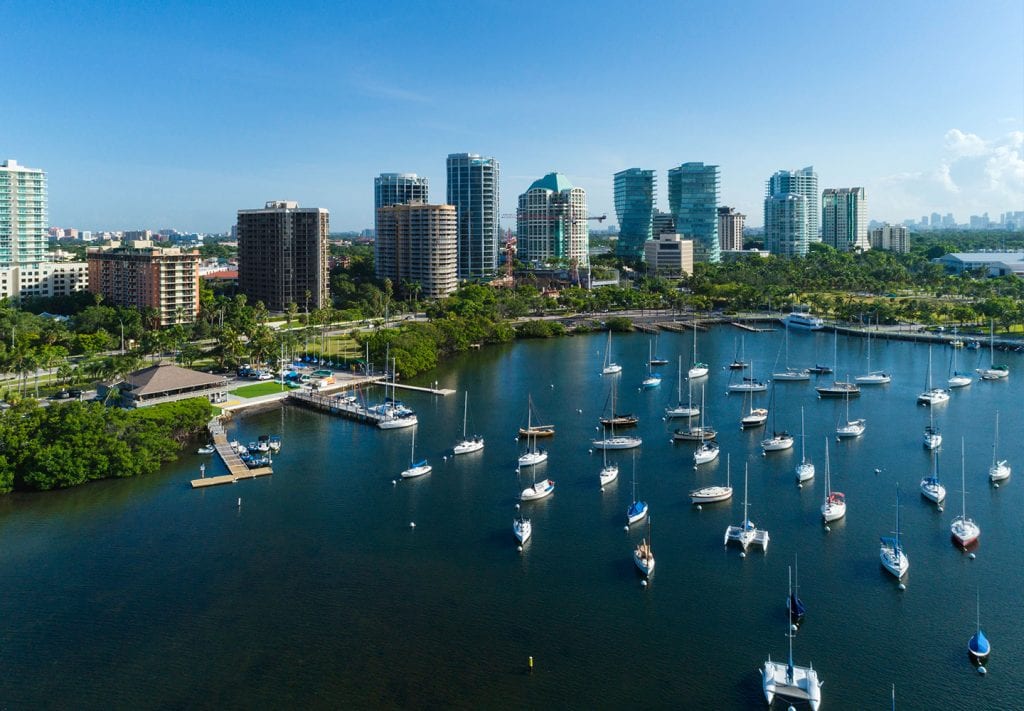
(748, 327)
(432, 391)
(237, 469)
(334, 406)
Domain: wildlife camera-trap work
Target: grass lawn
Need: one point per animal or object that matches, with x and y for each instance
(257, 389)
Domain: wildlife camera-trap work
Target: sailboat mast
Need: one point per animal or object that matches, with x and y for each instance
(963, 481)
(995, 439)
(803, 437)
(746, 471)
(789, 634)
(465, 413)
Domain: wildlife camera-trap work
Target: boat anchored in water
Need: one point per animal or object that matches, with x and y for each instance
(780, 439)
(638, 509)
(681, 410)
(701, 433)
(891, 553)
(957, 379)
(522, 528)
(873, 377)
(613, 441)
(416, 468)
(746, 533)
(532, 456)
(978, 645)
(643, 554)
(653, 379)
(1000, 469)
(712, 494)
(932, 396)
(834, 507)
(932, 435)
(610, 367)
(964, 530)
(805, 469)
(850, 428)
(468, 445)
(931, 488)
(789, 680)
(698, 369)
(994, 371)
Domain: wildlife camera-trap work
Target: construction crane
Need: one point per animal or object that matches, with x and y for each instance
(560, 218)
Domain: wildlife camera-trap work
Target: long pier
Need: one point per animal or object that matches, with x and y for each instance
(237, 469)
(334, 406)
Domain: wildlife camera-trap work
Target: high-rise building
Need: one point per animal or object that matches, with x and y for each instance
(552, 222)
(418, 246)
(398, 189)
(282, 255)
(669, 254)
(474, 191)
(137, 274)
(730, 229)
(693, 202)
(892, 237)
(663, 223)
(785, 224)
(801, 182)
(844, 219)
(23, 218)
(634, 206)
(936, 220)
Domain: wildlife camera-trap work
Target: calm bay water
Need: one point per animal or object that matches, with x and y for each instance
(316, 592)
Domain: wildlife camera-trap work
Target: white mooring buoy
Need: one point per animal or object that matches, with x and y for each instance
(972, 556)
(412, 524)
(982, 670)
(903, 586)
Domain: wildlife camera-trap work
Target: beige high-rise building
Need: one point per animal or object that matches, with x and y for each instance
(552, 222)
(669, 254)
(418, 244)
(282, 255)
(892, 237)
(139, 275)
(730, 228)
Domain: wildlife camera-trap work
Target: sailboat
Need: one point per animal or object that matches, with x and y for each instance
(395, 415)
(746, 533)
(467, 445)
(532, 430)
(789, 680)
(851, 428)
(931, 487)
(532, 456)
(999, 470)
(932, 436)
(748, 384)
(698, 369)
(522, 528)
(780, 439)
(609, 472)
(932, 396)
(978, 645)
(796, 607)
(752, 416)
(653, 379)
(681, 410)
(873, 377)
(416, 468)
(957, 379)
(707, 451)
(613, 441)
(805, 469)
(993, 371)
(738, 362)
(838, 388)
(696, 434)
(711, 494)
(893, 557)
(638, 509)
(610, 367)
(964, 530)
(657, 359)
(643, 554)
(834, 507)
(537, 490)
(790, 373)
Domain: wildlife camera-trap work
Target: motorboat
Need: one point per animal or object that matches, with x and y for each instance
(206, 449)
(803, 321)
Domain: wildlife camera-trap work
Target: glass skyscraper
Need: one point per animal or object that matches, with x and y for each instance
(693, 202)
(473, 190)
(23, 217)
(634, 206)
(800, 182)
(398, 189)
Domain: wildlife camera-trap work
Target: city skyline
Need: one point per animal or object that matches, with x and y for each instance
(182, 135)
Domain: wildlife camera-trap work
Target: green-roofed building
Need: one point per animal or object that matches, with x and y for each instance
(551, 222)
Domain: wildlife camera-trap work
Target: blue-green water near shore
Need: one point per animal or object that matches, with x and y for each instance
(316, 591)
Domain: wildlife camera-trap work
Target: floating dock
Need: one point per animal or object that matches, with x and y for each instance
(748, 327)
(332, 405)
(236, 467)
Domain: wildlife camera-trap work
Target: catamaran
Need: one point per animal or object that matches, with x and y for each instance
(964, 530)
(789, 680)
(993, 371)
(711, 494)
(805, 469)
(746, 533)
(932, 396)
(834, 507)
(416, 468)
(468, 445)
(698, 369)
(893, 557)
(931, 487)
(999, 470)
(610, 367)
(638, 509)
(681, 410)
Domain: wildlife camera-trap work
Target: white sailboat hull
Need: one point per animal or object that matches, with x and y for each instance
(533, 458)
(611, 369)
(964, 531)
(413, 472)
(833, 511)
(896, 562)
(999, 471)
(609, 474)
(853, 428)
(874, 379)
(469, 446)
(539, 490)
(711, 494)
(617, 443)
(933, 491)
(792, 375)
(935, 396)
(777, 443)
(706, 452)
(959, 381)
(681, 411)
(697, 372)
(397, 423)
(756, 387)
(804, 472)
(522, 529)
(932, 440)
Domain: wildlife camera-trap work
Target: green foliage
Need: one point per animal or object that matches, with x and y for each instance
(65, 445)
(618, 323)
(540, 329)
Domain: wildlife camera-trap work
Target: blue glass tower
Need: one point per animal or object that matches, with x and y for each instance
(693, 202)
(634, 206)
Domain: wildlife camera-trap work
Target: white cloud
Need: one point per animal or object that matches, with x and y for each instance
(960, 144)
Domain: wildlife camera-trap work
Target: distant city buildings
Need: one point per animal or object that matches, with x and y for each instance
(844, 219)
(140, 275)
(418, 248)
(634, 190)
(895, 238)
(693, 202)
(730, 229)
(551, 222)
(669, 254)
(282, 255)
(791, 211)
(473, 189)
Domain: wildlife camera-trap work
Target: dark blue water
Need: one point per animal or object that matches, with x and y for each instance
(316, 592)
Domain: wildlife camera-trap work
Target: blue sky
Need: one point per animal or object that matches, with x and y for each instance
(178, 114)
